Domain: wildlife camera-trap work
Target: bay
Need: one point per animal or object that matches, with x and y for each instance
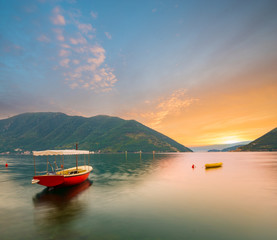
(145, 196)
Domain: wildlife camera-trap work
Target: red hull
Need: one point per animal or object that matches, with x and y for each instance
(70, 181)
(61, 181)
(50, 180)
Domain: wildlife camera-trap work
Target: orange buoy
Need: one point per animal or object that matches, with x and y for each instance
(61, 166)
(193, 166)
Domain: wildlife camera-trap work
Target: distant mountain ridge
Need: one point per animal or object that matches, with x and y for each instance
(218, 147)
(267, 142)
(40, 131)
(228, 149)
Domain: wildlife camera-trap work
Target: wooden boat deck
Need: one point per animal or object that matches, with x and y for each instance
(73, 171)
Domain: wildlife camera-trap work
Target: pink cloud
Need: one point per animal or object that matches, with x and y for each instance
(56, 10)
(59, 34)
(85, 28)
(86, 69)
(99, 55)
(65, 46)
(97, 50)
(155, 112)
(65, 62)
(74, 85)
(57, 18)
(93, 14)
(90, 36)
(92, 75)
(63, 53)
(60, 38)
(80, 50)
(76, 61)
(108, 35)
(80, 40)
(97, 78)
(43, 38)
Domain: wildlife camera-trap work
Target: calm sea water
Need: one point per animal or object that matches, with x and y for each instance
(143, 197)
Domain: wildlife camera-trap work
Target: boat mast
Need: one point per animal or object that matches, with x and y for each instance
(34, 163)
(76, 157)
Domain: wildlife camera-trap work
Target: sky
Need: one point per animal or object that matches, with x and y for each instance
(200, 72)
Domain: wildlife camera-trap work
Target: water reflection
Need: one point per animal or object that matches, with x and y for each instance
(110, 169)
(213, 169)
(60, 205)
(146, 197)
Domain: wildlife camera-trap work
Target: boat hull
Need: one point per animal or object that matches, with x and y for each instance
(70, 181)
(49, 180)
(213, 165)
(64, 180)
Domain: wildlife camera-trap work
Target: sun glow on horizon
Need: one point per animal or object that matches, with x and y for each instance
(229, 140)
(219, 140)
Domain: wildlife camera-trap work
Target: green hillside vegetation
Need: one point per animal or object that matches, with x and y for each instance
(267, 142)
(40, 131)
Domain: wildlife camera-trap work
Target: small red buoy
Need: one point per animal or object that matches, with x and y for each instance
(6, 165)
(61, 166)
(192, 166)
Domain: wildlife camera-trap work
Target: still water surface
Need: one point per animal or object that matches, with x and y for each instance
(143, 197)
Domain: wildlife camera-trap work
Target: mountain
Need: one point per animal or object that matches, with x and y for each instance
(228, 149)
(267, 142)
(214, 150)
(217, 147)
(40, 131)
(233, 148)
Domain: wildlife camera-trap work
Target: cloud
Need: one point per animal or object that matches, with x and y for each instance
(63, 53)
(163, 108)
(65, 62)
(92, 74)
(82, 59)
(43, 38)
(108, 35)
(59, 34)
(171, 105)
(60, 38)
(65, 46)
(91, 36)
(93, 14)
(80, 40)
(74, 85)
(9, 47)
(57, 18)
(85, 28)
(99, 56)
(176, 101)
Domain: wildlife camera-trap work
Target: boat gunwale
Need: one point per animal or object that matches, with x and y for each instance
(84, 171)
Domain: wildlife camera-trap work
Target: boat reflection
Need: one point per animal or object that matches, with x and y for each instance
(60, 205)
(60, 196)
(213, 169)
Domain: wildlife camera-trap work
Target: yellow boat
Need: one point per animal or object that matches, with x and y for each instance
(213, 165)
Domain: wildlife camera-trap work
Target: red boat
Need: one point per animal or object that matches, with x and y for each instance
(60, 177)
